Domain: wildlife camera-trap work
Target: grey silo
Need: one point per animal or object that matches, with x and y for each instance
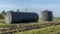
(47, 15)
(20, 17)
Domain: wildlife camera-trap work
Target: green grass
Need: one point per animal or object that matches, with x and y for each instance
(2, 21)
(47, 30)
(3, 24)
(55, 29)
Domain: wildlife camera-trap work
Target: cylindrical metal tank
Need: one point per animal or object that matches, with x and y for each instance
(20, 17)
(47, 15)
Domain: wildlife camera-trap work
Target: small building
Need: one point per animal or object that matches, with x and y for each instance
(20, 17)
(47, 15)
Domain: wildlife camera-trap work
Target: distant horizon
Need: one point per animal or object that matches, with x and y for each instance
(31, 11)
(32, 5)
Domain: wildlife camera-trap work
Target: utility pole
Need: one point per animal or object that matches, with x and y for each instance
(26, 9)
(18, 10)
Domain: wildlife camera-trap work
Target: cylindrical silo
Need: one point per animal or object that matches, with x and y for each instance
(20, 17)
(47, 15)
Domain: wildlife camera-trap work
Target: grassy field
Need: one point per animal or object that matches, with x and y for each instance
(54, 29)
(47, 30)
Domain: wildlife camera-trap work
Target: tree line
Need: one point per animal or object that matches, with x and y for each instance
(1, 15)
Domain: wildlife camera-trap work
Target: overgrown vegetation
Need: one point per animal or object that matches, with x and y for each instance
(54, 29)
(47, 30)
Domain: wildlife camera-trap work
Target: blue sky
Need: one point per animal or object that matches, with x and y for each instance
(32, 5)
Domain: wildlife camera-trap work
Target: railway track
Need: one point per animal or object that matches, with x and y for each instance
(23, 27)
